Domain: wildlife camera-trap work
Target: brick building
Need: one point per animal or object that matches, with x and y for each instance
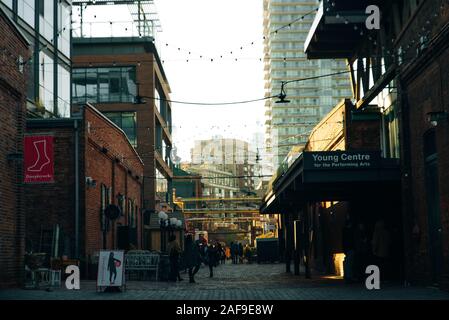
(95, 165)
(14, 49)
(402, 70)
(99, 66)
(317, 190)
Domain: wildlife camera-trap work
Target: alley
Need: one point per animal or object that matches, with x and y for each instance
(237, 282)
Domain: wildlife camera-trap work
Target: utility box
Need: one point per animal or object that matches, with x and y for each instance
(267, 250)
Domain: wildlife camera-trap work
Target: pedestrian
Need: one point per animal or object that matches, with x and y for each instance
(228, 253)
(220, 254)
(174, 251)
(361, 251)
(348, 250)
(192, 257)
(248, 254)
(232, 251)
(381, 246)
(240, 250)
(212, 258)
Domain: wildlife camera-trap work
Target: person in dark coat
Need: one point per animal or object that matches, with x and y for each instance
(348, 242)
(192, 257)
(174, 251)
(361, 251)
(232, 249)
(212, 258)
(240, 250)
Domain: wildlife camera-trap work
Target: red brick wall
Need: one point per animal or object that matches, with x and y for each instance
(51, 204)
(426, 88)
(428, 93)
(12, 113)
(116, 169)
(146, 71)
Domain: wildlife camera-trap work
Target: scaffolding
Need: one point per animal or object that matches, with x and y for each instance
(144, 19)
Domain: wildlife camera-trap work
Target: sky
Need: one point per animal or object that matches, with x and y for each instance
(209, 30)
(213, 28)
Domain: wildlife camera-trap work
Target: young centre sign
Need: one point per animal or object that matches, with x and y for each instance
(341, 160)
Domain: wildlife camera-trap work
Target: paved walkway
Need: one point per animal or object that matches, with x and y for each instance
(237, 282)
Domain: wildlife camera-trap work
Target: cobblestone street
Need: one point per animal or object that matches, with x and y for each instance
(236, 282)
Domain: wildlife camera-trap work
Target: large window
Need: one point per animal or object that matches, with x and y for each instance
(104, 85)
(25, 10)
(127, 122)
(161, 186)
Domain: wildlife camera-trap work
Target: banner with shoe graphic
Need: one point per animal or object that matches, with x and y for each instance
(38, 159)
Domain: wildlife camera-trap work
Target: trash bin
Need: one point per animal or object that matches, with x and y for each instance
(267, 250)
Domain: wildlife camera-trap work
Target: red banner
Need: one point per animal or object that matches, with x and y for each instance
(38, 159)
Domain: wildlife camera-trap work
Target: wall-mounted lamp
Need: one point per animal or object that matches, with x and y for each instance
(91, 183)
(435, 117)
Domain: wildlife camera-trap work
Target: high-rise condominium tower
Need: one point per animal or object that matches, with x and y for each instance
(289, 124)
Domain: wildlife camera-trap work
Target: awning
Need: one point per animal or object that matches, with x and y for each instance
(337, 28)
(332, 176)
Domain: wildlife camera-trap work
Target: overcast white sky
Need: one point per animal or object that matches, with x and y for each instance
(207, 28)
(212, 28)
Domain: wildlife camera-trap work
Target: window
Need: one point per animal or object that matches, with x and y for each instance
(161, 186)
(127, 122)
(106, 194)
(106, 85)
(157, 99)
(132, 214)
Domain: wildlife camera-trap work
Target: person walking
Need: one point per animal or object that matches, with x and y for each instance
(247, 253)
(240, 250)
(348, 250)
(174, 251)
(234, 253)
(192, 257)
(227, 253)
(361, 251)
(381, 247)
(212, 258)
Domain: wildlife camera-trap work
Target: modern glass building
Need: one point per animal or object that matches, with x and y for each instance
(289, 124)
(47, 26)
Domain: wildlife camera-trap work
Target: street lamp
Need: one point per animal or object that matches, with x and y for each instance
(167, 225)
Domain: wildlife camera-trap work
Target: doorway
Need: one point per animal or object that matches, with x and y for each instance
(433, 205)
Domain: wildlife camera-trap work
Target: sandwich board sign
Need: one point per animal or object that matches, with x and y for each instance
(111, 269)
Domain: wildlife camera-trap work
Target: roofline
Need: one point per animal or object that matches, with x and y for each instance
(15, 26)
(98, 113)
(117, 40)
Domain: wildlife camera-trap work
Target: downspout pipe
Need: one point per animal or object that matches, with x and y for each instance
(77, 190)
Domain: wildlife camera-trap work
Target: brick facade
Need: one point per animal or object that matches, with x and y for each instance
(142, 55)
(106, 157)
(425, 87)
(12, 114)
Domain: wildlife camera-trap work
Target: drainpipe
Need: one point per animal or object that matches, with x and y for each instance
(77, 192)
(383, 133)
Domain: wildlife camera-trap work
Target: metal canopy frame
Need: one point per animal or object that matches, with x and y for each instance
(143, 13)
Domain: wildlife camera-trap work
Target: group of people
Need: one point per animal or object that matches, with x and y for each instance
(198, 252)
(360, 250)
(239, 253)
(195, 253)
